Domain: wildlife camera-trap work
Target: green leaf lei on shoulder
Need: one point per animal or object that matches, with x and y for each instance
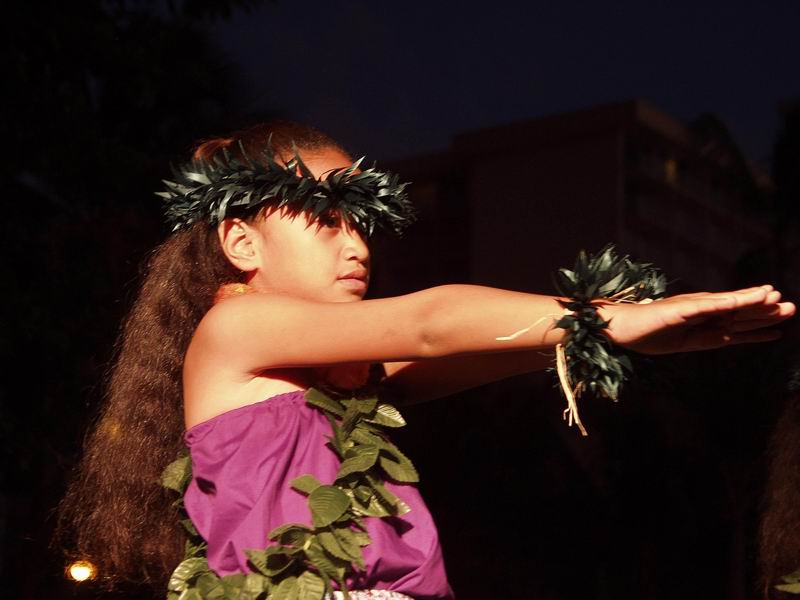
(304, 561)
(586, 360)
(791, 583)
(211, 190)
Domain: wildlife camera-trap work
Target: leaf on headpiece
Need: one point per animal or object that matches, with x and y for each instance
(201, 178)
(207, 190)
(304, 170)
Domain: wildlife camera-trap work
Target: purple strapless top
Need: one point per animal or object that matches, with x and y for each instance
(242, 463)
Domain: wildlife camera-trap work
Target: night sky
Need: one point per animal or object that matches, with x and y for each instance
(391, 79)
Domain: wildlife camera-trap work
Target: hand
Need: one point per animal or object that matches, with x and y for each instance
(698, 321)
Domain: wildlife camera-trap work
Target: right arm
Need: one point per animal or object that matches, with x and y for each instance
(260, 331)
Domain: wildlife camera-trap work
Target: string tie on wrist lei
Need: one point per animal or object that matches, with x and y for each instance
(586, 359)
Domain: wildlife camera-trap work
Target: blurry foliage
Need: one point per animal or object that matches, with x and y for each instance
(211, 8)
(786, 164)
(783, 501)
(100, 96)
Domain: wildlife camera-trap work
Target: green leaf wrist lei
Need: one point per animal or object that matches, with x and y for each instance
(586, 360)
(305, 560)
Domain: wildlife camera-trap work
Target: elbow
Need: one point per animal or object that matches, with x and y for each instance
(432, 322)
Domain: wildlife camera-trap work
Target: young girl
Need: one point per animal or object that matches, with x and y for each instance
(244, 308)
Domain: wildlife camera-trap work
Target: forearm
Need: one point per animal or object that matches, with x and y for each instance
(423, 380)
(469, 319)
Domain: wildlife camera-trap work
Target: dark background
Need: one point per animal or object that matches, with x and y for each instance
(661, 501)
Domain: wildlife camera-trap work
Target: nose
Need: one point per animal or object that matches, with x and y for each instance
(355, 244)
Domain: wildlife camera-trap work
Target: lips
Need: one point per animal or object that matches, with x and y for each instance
(357, 274)
(355, 280)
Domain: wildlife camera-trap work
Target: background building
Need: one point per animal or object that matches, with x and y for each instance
(661, 500)
(508, 205)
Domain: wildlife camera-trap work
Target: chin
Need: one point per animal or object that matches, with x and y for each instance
(350, 290)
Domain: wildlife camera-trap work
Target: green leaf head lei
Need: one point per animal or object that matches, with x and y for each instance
(228, 184)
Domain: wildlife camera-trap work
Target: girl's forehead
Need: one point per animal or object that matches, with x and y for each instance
(323, 161)
(286, 216)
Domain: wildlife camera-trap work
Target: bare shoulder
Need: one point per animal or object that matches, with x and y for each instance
(238, 309)
(235, 316)
(215, 379)
(265, 331)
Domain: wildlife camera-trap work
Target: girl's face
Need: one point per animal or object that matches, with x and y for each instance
(311, 259)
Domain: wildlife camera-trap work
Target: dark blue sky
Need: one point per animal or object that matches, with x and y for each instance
(390, 79)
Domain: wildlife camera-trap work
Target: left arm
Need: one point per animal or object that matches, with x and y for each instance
(422, 380)
(409, 382)
(427, 379)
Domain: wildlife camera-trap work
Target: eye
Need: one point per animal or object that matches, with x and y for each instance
(329, 219)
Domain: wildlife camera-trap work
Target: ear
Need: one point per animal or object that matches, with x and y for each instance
(239, 243)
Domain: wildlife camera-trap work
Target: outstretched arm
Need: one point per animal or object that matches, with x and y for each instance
(412, 382)
(255, 332)
(261, 331)
(704, 327)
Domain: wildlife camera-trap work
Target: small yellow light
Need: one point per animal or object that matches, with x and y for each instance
(671, 170)
(81, 570)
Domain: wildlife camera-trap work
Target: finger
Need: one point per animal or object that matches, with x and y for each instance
(719, 303)
(708, 305)
(772, 296)
(764, 310)
(754, 324)
(750, 337)
(757, 312)
(760, 291)
(691, 295)
(767, 288)
(706, 338)
(710, 339)
(746, 319)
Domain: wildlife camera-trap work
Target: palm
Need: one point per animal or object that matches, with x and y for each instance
(699, 321)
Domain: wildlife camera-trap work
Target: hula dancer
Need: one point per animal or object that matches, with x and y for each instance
(243, 450)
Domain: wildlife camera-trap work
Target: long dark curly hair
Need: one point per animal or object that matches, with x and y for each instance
(115, 513)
